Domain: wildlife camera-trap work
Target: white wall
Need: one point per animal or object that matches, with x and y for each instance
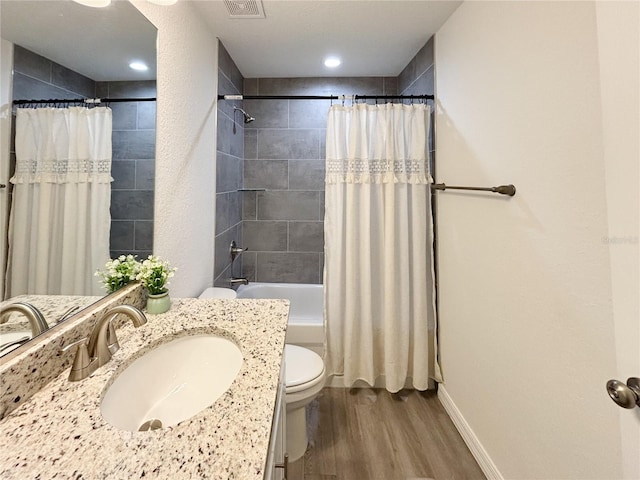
(184, 210)
(526, 314)
(619, 44)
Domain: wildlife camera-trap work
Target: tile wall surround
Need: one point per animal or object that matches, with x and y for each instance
(28, 369)
(133, 142)
(284, 154)
(418, 78)
(133, 167)
(229, 167)
(36, 77)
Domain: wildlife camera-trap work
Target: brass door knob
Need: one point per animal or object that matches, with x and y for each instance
(626, 396)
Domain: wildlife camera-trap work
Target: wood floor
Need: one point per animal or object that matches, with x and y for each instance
(367, 434)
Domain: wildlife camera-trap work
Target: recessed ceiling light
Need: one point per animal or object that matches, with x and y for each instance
(139, 66)
(332, 62)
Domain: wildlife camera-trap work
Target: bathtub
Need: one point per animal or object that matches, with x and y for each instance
(306, 317)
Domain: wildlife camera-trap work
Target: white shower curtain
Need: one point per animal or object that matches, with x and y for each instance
(379, 286)
(59, 223)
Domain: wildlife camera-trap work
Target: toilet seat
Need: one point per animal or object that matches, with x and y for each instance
(304, 368)
(218, 292)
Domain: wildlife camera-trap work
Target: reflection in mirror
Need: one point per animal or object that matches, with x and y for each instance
(15, 328)
(63, 50)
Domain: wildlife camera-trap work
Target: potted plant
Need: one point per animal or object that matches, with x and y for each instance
(119, 272)
(154, 275)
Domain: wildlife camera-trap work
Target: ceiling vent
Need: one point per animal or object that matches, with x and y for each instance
(245, 8)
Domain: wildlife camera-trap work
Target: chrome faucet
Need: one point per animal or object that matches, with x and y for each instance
(36, 320)
(96, 350)
(238, 281)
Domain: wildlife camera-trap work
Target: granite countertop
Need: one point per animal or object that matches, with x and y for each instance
(60, 432)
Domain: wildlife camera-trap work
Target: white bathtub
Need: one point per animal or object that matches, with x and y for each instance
(306, 317)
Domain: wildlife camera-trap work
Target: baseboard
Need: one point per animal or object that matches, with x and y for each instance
(477, 450)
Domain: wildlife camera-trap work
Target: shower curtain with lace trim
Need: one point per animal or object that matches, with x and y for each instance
(379, 280)
(60, 221)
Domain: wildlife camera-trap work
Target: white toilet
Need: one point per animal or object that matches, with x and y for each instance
(304, 378)
(218, 292)
(304, 375)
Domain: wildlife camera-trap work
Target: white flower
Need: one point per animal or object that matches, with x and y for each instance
(119, 272)
(153, 274)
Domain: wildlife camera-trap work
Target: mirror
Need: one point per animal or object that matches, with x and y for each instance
(62, 49)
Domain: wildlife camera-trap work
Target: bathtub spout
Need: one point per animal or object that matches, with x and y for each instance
(238, 281)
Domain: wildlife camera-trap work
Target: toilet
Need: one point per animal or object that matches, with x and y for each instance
(218, 292)
(304, 378)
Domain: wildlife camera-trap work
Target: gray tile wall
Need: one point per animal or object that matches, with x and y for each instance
(285, 154)
(132, 168)
(418, 78)
(229, 168)
(36, 77)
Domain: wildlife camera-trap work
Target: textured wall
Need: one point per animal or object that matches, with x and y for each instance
(526, 321)
(184, 205)
(284, 154)
(229, 165)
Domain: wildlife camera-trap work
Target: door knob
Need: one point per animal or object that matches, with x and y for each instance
(626, 396)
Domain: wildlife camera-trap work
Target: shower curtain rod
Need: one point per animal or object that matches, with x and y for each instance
(90, 101)
(325, 97)
(502, 189)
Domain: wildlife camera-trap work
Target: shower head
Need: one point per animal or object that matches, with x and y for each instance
(247, 118)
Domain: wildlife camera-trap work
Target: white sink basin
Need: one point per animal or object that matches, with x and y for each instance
(171, 383)
(9, 337)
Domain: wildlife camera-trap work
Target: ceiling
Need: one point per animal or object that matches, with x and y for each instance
(96, 42)
(372, 37)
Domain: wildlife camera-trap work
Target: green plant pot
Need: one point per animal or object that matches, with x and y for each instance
(158, 303)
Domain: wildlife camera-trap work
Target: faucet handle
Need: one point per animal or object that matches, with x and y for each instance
(234, 250)
(112, 339)
(73, 344)
(81, 362)
(68, 313)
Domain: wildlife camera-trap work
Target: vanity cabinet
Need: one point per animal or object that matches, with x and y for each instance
(276, 465)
